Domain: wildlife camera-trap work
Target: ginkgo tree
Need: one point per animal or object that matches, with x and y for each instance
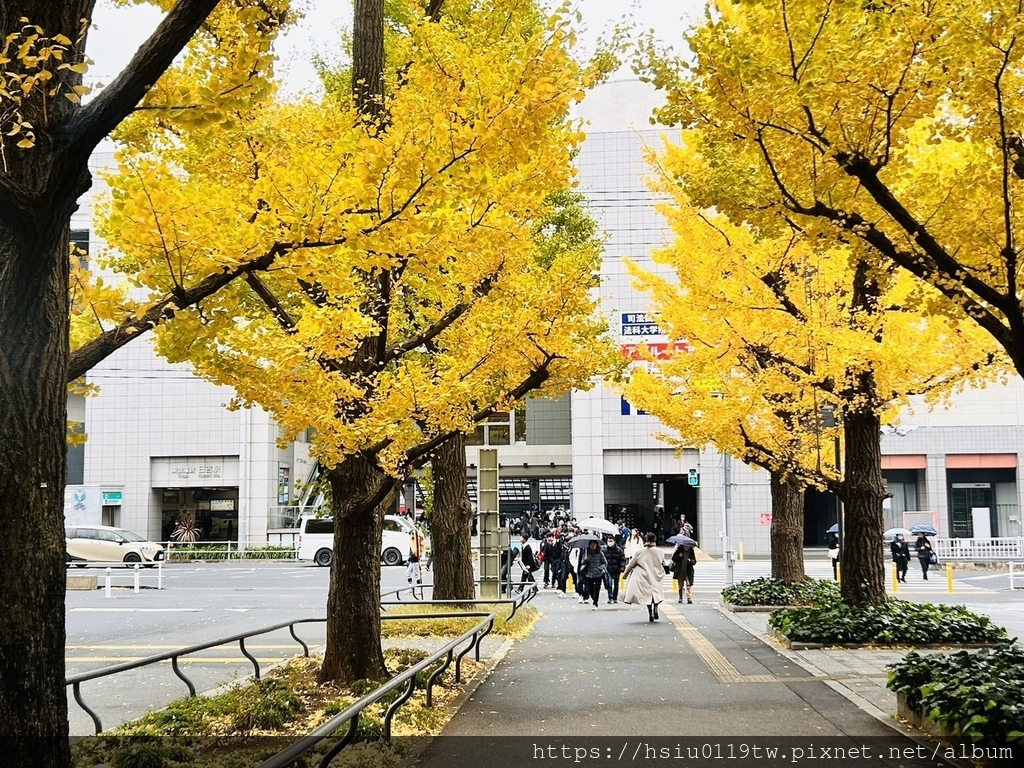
(776, 328)
(47, 133)
(894, 124)
(418, 305)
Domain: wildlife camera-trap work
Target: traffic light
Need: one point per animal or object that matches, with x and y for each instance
(694, 477)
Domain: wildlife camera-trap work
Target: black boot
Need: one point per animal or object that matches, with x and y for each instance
(656, 617)
(650, 612)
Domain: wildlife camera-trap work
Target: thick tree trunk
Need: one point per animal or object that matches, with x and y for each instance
(38, 189)
(33, 434)
(360, 497)
(451, 523)
(787, 529)
(862, 560)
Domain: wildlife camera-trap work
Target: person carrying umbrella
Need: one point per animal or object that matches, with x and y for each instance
(833, 550)
(901, 556)
(924, 552)
(593, 567)
(644, 588)
(683, 561)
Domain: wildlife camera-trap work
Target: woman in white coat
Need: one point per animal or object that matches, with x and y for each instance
(644, 574)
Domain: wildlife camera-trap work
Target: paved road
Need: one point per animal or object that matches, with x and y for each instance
(203, 602)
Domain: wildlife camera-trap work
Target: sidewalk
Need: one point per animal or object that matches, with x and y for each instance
(698, 672)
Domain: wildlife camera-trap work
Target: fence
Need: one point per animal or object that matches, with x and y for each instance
(972, 550)
(226, 550)
(476, 634)
(116, 570)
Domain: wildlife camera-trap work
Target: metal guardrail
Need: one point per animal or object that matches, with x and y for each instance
(1002, 548)
(226, 550)
(516, 602)
(115, 570)
(75, 681)
(407, 678)
(173, 656)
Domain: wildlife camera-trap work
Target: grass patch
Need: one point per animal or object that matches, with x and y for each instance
(519, 627)
(249, 722)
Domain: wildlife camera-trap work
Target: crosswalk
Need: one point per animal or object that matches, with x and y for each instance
(711, 577)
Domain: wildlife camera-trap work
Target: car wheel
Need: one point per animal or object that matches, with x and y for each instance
(131, 558)
(323, 557)
(392, 556)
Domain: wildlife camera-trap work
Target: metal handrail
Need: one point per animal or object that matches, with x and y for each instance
(75, 681)
(406, 678)
(516, 602)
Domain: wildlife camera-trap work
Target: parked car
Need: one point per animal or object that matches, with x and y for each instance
(316, 540)
(105, 544)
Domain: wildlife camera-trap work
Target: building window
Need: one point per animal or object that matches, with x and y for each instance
(80, 244)
(497, 430)
(519, 426)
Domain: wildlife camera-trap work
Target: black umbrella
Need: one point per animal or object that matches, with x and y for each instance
(685, 541)
(583, 540)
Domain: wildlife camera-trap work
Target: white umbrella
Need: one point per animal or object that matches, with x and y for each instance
(891, 533)
(599, 525)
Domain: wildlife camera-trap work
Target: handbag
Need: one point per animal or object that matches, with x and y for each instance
(833, 554)
(933, 559)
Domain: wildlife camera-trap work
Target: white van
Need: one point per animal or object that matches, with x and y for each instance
(316, 540)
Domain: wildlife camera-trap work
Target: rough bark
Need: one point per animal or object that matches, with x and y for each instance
(787, 533)
(862, 560)
(451, 523)
(39, 189)
(368, 57)
(360, 497)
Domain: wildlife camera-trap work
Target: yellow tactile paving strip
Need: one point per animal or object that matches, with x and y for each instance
(715, 660)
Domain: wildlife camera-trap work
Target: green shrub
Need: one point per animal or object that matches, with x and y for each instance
(769, 591)
(896, 622)
(972, 695)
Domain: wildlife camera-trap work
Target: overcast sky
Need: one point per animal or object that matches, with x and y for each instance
(119, 31)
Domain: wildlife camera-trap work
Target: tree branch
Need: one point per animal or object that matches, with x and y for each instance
(103, 114)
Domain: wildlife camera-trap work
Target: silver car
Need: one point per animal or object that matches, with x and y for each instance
(104, 544)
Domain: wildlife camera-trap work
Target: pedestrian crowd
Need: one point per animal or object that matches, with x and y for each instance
(628, 561)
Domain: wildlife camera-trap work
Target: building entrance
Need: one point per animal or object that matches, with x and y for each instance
(211, 513)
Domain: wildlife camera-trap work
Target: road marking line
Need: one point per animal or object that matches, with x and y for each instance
(137, 610)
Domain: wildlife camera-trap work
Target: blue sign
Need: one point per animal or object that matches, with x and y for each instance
(626, 409)
(639, 324)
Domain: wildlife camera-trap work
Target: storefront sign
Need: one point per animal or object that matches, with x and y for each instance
(222, 505)
(197, 471)
(111, 498)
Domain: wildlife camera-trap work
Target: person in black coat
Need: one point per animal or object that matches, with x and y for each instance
(616, 560)
(528, 562)
(901, 556)
(924, 553)
(683, 561)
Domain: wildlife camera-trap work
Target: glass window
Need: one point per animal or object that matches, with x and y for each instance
(107, 536)
(498, 434)
(321, 525)
(520, 424)
(86, 533)
(392, 526)
(476, 437)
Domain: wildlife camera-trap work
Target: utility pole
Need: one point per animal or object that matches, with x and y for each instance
(727, 551)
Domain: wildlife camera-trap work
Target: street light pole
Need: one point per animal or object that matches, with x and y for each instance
(727, 517)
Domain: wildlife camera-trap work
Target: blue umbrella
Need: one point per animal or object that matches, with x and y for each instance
(833, 529)
(686, 541)
(927, 530)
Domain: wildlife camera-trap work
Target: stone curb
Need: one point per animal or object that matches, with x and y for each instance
(756, 608)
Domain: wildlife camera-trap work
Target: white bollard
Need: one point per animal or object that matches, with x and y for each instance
(160, 575)
(136, 578)
(106, 586)
(1011, 576)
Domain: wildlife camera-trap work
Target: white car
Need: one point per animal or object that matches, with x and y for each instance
(104, 544)
(316, 540)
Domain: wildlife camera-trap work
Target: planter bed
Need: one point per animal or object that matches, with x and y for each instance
(799, 645)
(755, 608)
